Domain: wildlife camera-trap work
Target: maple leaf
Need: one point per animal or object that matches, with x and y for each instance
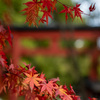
(11, 67)
(71, 91)
(2, 29)
(32, 70)
(67, 11)
(92, 7)
(47, 3)
(76, 97)
(42, 76)
(3, 87)
(47, 86)
(30, 95)
(19, 70)
(29, 3)
(2, 35)
(42, 97)
(31, 17)
(60, 91)
(42, 20)
(5, 35)
(32, 80)
(2, 61)
(55, 79)
(77, 11)
(32, 11)
(46, 14)
(27, 65)
(53, 5)
(66, 97)
(11, 81)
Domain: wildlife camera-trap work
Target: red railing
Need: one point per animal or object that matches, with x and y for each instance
(54, 36)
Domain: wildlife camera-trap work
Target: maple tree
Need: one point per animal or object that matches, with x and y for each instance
(47, 7)
(26, 81)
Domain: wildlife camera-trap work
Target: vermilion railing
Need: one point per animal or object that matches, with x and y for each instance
(54, 36)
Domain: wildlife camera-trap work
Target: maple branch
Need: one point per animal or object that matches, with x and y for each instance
(60, 2)
(63, 4)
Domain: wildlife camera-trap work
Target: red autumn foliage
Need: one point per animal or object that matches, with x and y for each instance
(46, 14)
(92, 7)
(77, 11)
(67, 11)
(26, 81)
(47, 7)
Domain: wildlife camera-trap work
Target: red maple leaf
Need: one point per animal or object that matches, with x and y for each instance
(5, 35)
(76, 97)
(2, 87)
(77, 11)
(66, 97)
(46, 14)
(30, 95)
(47, 3)
(42, 76)
(27, 65)
(11, 67)
(42, 20)
(63, 93)
(92, 7)
(32, 11)
(71, 91)
(2, 61)
(67, 11)
(60, 90)
(53, 5)
(2, 29)
(42, 97)
(55, 79)
(47, 87)
(32, 80)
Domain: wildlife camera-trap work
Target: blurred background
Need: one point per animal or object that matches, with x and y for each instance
(69, 51)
